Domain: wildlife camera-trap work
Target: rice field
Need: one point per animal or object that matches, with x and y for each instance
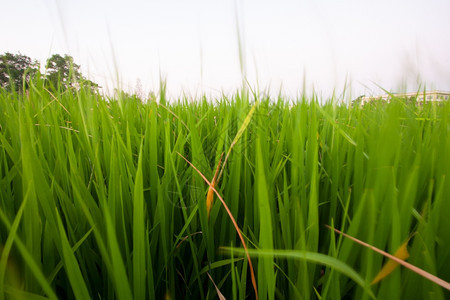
(101, 198)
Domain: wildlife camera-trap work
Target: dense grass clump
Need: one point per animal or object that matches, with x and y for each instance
(96, 200)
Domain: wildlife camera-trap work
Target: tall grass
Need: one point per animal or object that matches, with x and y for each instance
(95, 201)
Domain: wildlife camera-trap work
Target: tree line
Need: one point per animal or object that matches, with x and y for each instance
(61, 72)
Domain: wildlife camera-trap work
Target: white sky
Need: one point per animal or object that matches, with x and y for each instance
(194, 44)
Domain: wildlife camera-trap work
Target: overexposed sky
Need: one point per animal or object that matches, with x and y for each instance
(194, 44)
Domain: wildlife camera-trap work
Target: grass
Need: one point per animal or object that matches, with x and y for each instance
(97, 201)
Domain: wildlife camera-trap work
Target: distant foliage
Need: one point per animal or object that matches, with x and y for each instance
(61, 72)
(16, 70)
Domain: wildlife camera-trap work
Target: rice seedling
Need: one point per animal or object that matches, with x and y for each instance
(99, 198)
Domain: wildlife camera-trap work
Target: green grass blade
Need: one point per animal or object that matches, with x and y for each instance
(73, 271)
(312, 257)
(139, 263)
(5, 250)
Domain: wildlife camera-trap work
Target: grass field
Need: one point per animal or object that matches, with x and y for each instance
(97, 200)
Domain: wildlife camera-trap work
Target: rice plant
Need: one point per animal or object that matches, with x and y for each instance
(103, 198)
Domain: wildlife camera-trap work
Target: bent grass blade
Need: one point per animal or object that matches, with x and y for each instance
(423, 273)
(309, 256)
(252, 273)
(219, 294)
(210, 195)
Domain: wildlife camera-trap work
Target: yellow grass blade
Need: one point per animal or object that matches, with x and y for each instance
(389, 267)
(210, 198)
(423, 273)
(233, 220)
(210, 195)
(239, 134)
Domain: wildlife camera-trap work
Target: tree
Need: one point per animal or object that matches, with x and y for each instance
(90, 84)
(62, 71)
(15, 69)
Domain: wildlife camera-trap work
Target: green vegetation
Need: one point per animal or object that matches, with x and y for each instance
(16, 70)
(61, 72)
(96, 200)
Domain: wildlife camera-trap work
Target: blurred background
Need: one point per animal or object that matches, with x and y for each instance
(210, 47)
